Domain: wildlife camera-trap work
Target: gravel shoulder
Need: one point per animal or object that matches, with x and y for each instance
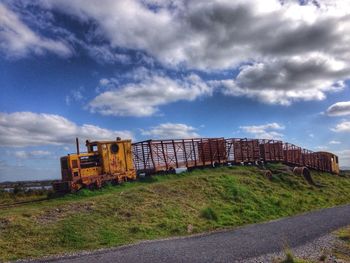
(245, 244)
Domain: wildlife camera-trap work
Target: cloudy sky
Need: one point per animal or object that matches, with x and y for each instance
(163, 69)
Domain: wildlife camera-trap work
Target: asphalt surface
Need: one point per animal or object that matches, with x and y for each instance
(228, 246)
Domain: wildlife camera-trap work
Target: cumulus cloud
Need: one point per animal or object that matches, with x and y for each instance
(342, 127)
(171, 131)
(18, 40)
(214, 34)
(339, 109)
(265, 131)
(31, 154)
(148, 91)
(20, 129)
(285, 51)
(286, 80)
(334, 142)
(289, 51)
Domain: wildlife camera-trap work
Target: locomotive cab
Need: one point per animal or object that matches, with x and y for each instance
(104, 161)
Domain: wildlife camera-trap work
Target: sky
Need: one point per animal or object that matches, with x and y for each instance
(150, 69)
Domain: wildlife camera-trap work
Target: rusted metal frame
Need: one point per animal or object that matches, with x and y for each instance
(228, 146)
(285, 152)
(179, 150)
(281, 157)
(272, 150)
(191, 155)
(210, 152)
(218, 149)
(170, 158)
(185, 153)
(165, 159)
(194, 151)
(143, 156)
(159, 153)
(151, 154)
(189, 152)
(202, 148)
(177, 164)
(256, 151)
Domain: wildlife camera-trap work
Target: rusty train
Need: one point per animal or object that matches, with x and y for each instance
(121, 160)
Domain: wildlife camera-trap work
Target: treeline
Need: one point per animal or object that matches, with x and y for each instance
(22, 190)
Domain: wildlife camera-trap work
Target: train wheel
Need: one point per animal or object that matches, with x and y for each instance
(98, 184)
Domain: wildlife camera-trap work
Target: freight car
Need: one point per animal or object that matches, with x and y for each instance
(118, 161)
(153, 156)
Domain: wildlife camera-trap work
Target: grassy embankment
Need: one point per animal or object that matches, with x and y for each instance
(342, 250)
(162, 206)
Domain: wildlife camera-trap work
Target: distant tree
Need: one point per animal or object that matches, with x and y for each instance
(18, 189)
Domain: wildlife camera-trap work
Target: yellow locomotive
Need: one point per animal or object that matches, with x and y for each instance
(104, 161)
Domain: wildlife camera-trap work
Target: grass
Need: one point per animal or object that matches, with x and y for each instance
(162, 206)
(342, 250)
(9, 198)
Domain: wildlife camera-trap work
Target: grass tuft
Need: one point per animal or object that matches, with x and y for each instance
(209, 213)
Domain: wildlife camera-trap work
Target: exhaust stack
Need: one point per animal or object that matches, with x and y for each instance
(77, 143)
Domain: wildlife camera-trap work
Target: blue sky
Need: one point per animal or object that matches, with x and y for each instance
(166, 69)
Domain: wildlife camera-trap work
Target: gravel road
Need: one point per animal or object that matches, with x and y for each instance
(237, 245)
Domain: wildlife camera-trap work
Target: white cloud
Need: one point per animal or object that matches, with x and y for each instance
(342, 127)
(143, 96)
(339, 109)
(334, 142)
(171, 131)
(75, 95)
(344, 157)
(29, 129)
(286, 51)
(290, 52)
(17, 39)
(105, 55)
(321, 148)
(214, 34)
(265, 131)
(284, 81)
(31, 154)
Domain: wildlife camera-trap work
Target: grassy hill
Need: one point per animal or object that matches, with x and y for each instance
(163, 206)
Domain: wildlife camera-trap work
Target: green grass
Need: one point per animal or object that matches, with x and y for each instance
(342, 250)
(162, 206)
